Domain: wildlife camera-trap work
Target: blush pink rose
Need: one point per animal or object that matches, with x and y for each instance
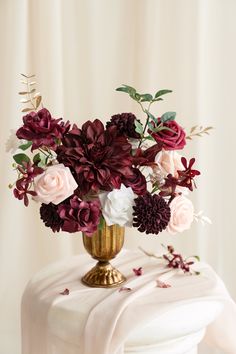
(182, 214)
(169, 162)
(54, 185)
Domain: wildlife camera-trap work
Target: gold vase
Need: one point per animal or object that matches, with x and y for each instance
(103, 246)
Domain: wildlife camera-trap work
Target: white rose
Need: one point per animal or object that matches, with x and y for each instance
(117, 206)
(54, 185)
(182, 214)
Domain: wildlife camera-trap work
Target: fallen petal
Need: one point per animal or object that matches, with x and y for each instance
(138, 271)
(161, 284)
(65, 292)
(124, 288)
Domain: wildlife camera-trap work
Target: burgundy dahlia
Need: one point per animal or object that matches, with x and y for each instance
(98, 158)
(78, 215)
(151, 214)
(173, 139)
(125, 124)
(43, 130)
(50, 216)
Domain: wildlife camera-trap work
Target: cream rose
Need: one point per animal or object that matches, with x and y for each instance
(54, 185)
(117, 206)
(182, 214)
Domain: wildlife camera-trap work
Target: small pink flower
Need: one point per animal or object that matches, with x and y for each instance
(182, 214)
(138, 271)
(54, 185)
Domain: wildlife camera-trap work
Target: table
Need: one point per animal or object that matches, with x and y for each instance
(144, 320)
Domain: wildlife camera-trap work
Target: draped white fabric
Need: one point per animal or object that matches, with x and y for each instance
(81, 50)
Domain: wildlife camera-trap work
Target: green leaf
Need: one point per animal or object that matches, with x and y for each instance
(138, 127)
(36, 158)
(25, 146)
(128, 89)
(136, 96)
(158, 99)
(151, 127)
(168, 116)
(20, 158)
(151, 116)
(146, 97)
(162, 92)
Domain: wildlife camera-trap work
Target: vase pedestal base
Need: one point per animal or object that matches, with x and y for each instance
(103, 275)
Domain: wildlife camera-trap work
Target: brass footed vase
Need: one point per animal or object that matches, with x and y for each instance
(103, 246)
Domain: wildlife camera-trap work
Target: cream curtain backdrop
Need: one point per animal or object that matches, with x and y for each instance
(81, 50)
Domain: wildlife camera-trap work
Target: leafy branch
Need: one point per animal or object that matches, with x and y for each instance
(198, 131)
(32, 97)
(152, 123)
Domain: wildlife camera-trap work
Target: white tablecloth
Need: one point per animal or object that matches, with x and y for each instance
(146, 319)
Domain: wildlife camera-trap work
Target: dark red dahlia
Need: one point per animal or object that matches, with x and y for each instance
(98, 158)
(78, 215)
(43, 130)
(50, 216)
(173, 139)
(151, 214)
(125, 124)
(137, 182)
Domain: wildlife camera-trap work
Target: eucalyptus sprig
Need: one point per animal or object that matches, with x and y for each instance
(31, 97)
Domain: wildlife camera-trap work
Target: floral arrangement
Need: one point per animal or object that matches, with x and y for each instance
(122, 172)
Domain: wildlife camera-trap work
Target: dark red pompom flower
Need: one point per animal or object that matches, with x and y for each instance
(78, 215)
(98, 158)
(125, 123)
(50, 216)
(151, 214)
(43, 130)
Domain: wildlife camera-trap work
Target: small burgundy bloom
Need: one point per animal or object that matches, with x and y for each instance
(65, 292)
(138, 271)
(29, 171)
(176, 261)
(137, 182)
(171, 140)
(78, 215)
(186, 176)
(50, 216)
(98, 158)
(125, 124)
(151, 214)
(21, 191)
(169, 187)
(43, 130)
